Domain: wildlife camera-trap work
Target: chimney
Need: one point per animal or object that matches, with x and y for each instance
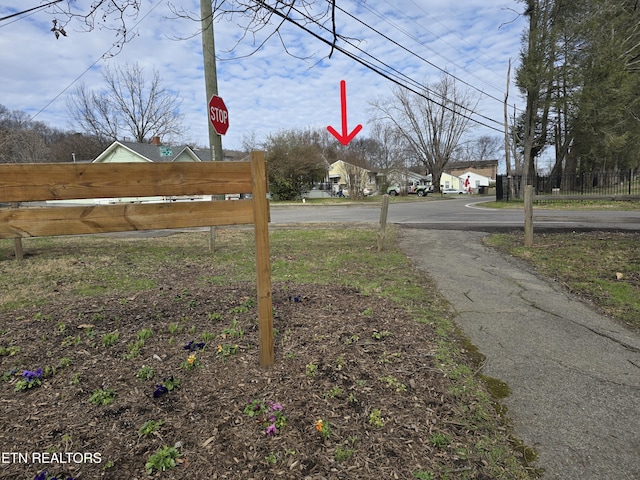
(156, 141)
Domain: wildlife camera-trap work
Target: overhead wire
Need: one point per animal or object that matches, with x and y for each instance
(386, 37)
(412, 37)
(389, 76)
(39, 7)
(473, 59)
(393, 75)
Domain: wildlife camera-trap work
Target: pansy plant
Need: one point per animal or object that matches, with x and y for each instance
(270, 414)
(192, 346)
(191, 362)
(29, 380)
(166, 386)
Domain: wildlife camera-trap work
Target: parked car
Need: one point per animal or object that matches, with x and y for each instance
(452, 191)
(367, 191)
(420, 190)
(394, 190)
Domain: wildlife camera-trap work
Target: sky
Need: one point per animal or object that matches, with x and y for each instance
(289, 81)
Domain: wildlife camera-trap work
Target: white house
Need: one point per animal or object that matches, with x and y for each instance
(472, 181)
(407, 179)
(147, 152)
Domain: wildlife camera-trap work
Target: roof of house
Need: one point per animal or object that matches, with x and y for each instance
(159, 153)
(472, 164)
(150, 152)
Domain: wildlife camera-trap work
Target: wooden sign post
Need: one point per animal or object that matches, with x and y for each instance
(70, 181)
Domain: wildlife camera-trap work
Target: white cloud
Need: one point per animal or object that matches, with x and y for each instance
(269, 90)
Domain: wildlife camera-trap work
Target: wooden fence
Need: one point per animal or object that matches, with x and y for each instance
(42, 182)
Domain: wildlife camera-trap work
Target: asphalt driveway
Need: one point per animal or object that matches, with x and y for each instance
(574, 375)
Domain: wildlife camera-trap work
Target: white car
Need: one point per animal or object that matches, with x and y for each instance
(452, 191)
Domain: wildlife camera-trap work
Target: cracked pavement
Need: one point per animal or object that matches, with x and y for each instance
(573, 373)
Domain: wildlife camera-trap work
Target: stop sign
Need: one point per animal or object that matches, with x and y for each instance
(218, 115)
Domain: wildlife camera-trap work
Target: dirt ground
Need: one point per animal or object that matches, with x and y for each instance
(356, 390)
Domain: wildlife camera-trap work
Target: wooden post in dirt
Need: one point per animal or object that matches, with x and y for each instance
(17, 242)
(263, 261)
(528, 216)
(383, 221)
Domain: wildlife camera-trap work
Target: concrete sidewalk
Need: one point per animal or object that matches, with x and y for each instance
(574, 374)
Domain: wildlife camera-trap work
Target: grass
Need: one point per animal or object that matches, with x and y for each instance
(601, 267)
(346, 256)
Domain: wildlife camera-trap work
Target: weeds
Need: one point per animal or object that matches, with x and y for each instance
(150, 427)
(103, 396)
(110, 339)
(162, 460)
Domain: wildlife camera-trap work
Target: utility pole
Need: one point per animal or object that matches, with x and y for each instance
(210, 74)
(211, 83)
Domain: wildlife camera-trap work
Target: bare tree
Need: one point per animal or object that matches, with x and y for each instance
(21, 139)
(262, 20)
(251, 15)
(432, 124)
(482, 148)
(391, 151)
(23, 146)
(128, 106)
(104, 14)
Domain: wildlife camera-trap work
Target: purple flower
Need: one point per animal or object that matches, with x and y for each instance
(272, 430)
(192, 346)
(41, 476)
(159, 391)
(32, 376)
(276, 407)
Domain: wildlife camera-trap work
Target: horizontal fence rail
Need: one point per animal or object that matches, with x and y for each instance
(69, 181)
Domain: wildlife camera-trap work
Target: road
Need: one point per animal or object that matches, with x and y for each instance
(460, 213)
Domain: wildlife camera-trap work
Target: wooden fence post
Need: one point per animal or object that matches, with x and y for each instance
(383, 221)
(528, 216)
(263, 260)
(17, 242)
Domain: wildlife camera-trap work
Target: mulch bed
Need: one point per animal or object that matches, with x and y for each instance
(359, 363)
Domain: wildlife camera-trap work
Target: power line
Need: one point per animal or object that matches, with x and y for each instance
(30, 10)
(417, 56)
(370, 9)
(386, 75)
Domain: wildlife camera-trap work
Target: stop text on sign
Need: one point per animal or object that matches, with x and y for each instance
(218, 115)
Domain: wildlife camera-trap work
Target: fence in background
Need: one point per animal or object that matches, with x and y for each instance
(612, 184)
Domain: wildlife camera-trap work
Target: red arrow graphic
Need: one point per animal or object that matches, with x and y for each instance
(345, 137)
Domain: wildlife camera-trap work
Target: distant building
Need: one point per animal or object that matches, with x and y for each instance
(148, 152)
(448, 180)
(475, 182)
(484, 168)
